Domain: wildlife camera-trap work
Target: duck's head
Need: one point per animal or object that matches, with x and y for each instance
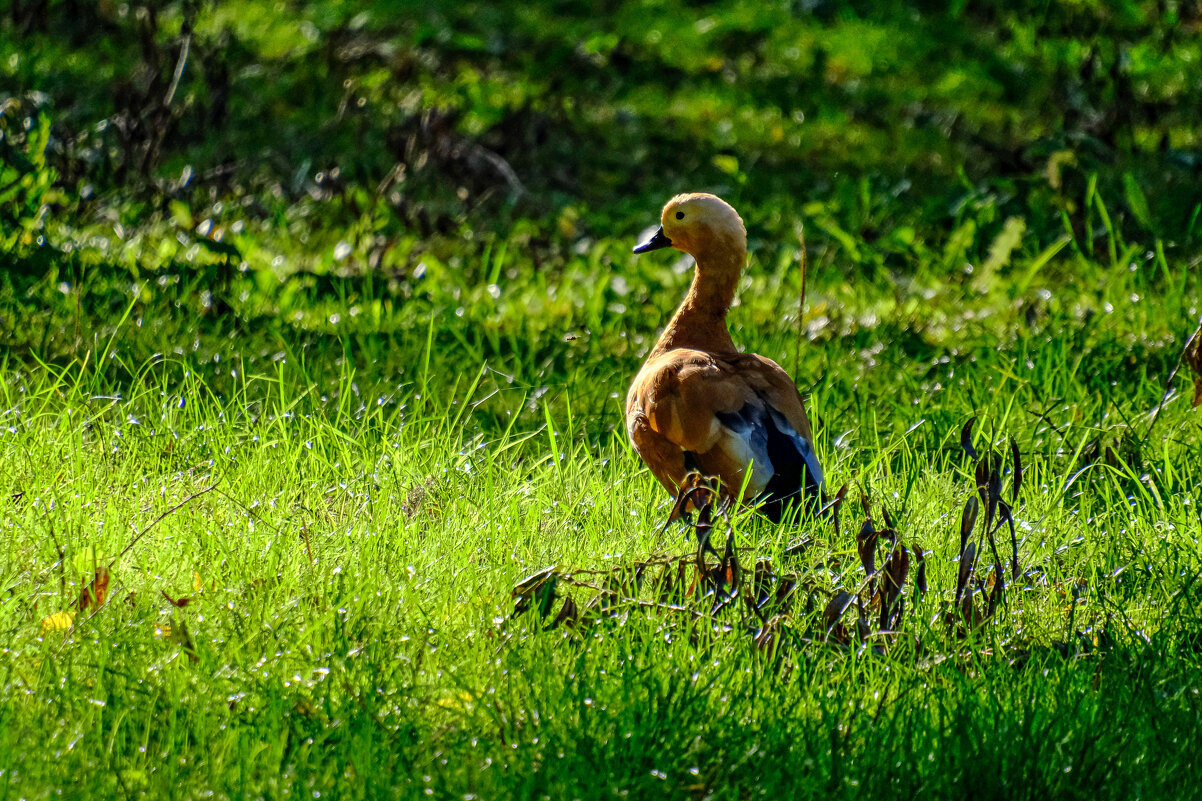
(698, 224)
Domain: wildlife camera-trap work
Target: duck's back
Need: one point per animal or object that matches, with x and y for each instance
(719, 413)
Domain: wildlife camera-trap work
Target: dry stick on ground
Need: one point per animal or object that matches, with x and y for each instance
(159, 519)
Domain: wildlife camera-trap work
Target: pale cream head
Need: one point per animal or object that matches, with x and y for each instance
(701, 223)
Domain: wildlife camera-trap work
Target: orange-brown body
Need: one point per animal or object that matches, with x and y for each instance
(697, 404)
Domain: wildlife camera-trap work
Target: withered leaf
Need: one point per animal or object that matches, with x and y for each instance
(695, 492)
(989, 486)
(538, 587)
(966, 438)
(1016, 458)
(784, 592)
(94, 595)
(897, 567)
(894, 572)
(971, 615)
(704, 531)
(730, 563)
(768, 635)
(863, 631)
(568, 613)
(533, 581)
(834, 505)
(968, 521)
(1008, 516)
(993, 542)
(754, 608)
(866, 545)
(998, 590)
(179, 602)
(920, 574)
(1192, 356)
(833, 614)
(968, 558)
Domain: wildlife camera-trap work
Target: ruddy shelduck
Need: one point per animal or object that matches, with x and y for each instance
(698, 405)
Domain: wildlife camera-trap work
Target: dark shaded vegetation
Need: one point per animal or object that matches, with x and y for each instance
(263, 165)
(889, 126)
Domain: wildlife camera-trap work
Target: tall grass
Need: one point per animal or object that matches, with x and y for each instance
(348, 625)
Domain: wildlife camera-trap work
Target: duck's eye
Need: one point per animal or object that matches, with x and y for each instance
(680, 215)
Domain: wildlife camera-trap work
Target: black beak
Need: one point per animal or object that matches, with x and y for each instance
(654, 243)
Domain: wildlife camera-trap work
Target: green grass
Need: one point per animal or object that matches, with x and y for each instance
(352, 633)
(301, 355)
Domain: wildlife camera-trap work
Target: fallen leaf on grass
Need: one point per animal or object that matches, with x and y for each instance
(989, 486)
(695, 492)
(179, 602)
(94, 595)
(59, 621)
(540, 586)
(833, 506)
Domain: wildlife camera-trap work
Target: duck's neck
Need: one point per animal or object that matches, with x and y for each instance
(700, 321)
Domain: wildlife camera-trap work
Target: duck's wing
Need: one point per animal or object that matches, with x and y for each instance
(671, 416)
(692, 410)
(796, 472)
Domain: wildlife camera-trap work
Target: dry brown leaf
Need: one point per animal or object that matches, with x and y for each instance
(769, 634)
(967, 562)
(94, 595)
(180, 602)
(968, 521)
(866, 545)
(696, 492)
(966, 438)
(895, 570)
(538, 586)
(1193, 357)
(920, 575)
(833, 614)
(568, 614)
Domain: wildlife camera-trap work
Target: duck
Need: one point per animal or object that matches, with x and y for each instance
(700, 406)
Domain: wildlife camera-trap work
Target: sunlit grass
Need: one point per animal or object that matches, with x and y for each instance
(349, 573)
(312, 371)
